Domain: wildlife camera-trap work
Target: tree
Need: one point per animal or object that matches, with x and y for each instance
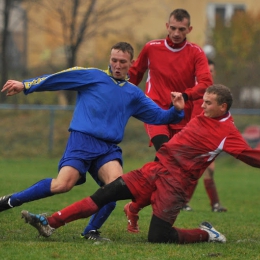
(5, 35)
(238, 52)
(83, 20)
(12, 39)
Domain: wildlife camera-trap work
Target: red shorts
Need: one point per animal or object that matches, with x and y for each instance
(139, 186)
(171, 129)
(153, 184)
(154, 130)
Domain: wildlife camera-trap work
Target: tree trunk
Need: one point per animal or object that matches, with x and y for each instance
(5, 37)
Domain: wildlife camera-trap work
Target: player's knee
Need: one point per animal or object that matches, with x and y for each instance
(110, 171)
(112, 177)
(209, 173)
(60, 187)
(116, 190)
(161, 231)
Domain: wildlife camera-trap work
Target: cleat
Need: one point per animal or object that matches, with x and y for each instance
(39, 221)
(186, 207)
(218, 208)
(214, 235)
(132, 219)
(4, 202)
(94, 235)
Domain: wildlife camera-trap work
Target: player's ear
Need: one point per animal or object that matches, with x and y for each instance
(190, 29)
(224, 107)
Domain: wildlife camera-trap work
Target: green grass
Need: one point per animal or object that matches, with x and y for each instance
(238, 186)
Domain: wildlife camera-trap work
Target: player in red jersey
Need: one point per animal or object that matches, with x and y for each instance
(209, 182)
(172, 64)
(166, 183)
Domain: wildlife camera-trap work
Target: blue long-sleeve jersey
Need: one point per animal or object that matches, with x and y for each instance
(104, 104)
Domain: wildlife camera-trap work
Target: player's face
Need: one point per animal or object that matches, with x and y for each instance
(178, 30)
(120, 63)
(211, 107)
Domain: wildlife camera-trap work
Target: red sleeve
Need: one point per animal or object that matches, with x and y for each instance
(251, 157)
(137, 70)
(238, 147)
(203, 77)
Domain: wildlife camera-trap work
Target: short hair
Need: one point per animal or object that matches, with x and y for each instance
(223, 94)
(211, 62)
(180, 14)
(124, 47)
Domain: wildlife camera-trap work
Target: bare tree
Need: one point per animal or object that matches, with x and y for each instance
(13, 35)
(5, 33)
(83, 20)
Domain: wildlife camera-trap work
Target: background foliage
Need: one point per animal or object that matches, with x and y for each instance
(238, 54)
(236, 44)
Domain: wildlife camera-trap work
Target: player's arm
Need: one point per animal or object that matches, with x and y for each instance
(70, 79)
(250, 156)
(139, 67)
(149, 112)
(236, 146)
(203, 79)
(12, 87)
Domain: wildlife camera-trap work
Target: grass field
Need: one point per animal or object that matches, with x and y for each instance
(238, 186)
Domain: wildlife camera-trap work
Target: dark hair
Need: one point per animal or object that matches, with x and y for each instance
(124, 47)
(223, 94)
(180, 14)
(211, 62)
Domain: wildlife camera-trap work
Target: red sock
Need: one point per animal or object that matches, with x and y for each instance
(211, 191)
(187, 236)
(80, 209)
(134, 207)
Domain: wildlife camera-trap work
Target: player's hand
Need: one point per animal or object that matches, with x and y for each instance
(177, 100)
(12, 87)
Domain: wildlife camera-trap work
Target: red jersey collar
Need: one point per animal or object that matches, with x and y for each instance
(221, 117)
(173, 45)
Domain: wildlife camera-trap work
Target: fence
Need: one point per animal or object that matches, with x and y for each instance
(41, 130)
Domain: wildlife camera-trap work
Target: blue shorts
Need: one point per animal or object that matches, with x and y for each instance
(87, 154)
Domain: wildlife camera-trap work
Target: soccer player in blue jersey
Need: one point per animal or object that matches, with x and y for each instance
(105, 102)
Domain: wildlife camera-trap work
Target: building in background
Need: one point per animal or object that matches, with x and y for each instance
(46, 49)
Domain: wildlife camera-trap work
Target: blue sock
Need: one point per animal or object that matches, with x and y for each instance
(39, 190)
(98, 219)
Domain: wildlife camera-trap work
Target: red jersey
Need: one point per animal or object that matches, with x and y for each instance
(167, 184)
(183, 70)
(192, 150)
